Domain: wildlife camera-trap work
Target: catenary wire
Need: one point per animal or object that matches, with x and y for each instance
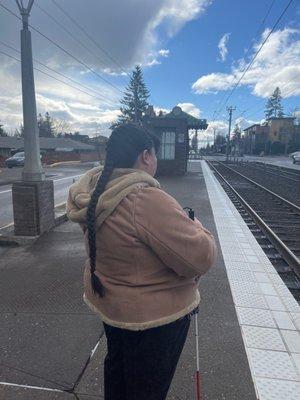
(64, 50)
(99, 96)
(51, 76)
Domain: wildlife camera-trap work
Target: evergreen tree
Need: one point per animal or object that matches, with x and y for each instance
(45, 125)
(135, 100)
(274, 107)
(2, 131)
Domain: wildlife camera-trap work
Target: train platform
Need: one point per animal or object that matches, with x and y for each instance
(53, 347)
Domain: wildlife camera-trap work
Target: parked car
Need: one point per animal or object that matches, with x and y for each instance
(17, 160)
(295, 157)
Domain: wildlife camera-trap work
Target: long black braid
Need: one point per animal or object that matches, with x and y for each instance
(125, 144)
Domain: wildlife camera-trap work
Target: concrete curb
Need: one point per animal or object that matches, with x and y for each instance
(6, 183)
(62, 163)
(7, 237)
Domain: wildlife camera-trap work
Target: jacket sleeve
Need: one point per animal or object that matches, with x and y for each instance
(162, 224)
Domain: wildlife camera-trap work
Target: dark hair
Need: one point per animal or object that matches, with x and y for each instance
(125, 144)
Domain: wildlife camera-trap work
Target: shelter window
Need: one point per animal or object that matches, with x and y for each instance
(167, 147)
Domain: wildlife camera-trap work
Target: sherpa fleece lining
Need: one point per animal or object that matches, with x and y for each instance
(140, 326)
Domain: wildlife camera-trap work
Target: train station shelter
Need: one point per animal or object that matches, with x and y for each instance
(174, 130)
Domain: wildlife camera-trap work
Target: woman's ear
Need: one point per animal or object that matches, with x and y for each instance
(146, 157)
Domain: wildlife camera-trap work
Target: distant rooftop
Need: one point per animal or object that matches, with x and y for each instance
(193, 122)
(45, 143)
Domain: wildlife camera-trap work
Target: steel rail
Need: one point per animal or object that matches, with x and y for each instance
(288, 203)
(292, 260)
(272, 171)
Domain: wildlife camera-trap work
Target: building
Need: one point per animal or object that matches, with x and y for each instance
(52, 149)
(99, 142)
(255, 139)
(275, 136)
(173, 130)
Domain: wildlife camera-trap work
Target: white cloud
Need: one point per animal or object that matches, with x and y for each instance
(164, 52)
(157, 109)
(212, 83)
(128, 41)
(81, 112)
(177, 12)
(222, 45)
(190, 108)
(220, 127)
(277, 64)
(152, 62)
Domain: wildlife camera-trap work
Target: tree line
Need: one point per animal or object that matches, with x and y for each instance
(134, 105)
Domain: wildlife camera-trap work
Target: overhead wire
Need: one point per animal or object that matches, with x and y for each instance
(64, 50)
(75, 22)
(288, 93)
(68, 32)
(51, 76)
(257, 52)
(99, 96)
(84, 31)
(253, 59)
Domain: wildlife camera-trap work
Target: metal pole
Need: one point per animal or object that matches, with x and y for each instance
(229, 109)
(197, 375)
(214, 139)
(33, 170)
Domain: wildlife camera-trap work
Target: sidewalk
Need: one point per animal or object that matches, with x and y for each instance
(279, 161)
(47, 333)
(11, 175)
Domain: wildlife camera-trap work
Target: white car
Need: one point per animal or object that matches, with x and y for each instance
(295, 157)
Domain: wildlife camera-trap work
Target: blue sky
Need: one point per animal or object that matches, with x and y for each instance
(179, 45)
(194, 52)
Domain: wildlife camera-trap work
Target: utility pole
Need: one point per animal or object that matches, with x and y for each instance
(214, 129)
(33, 169)
(33, 197)
(229, 109)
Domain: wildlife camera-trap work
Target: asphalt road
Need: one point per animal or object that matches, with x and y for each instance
(62, 178)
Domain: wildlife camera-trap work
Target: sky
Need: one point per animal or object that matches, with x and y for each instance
(193, 53)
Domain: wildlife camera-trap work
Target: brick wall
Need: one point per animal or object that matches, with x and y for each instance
(33, 207)
(90, 156)
(2, 160)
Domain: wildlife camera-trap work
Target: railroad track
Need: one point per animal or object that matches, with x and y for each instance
(273, 220)
(282, 181)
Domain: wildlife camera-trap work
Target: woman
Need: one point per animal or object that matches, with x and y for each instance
(145, 256)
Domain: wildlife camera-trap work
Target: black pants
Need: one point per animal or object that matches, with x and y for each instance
(140, 365)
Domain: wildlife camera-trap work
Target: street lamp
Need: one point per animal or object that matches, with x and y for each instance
(33, 197)
(32, 171)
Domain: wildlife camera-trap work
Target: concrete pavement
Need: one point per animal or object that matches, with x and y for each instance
(47, 334)
(279, 161)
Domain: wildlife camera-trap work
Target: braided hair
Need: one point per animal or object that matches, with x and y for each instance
(125, 144)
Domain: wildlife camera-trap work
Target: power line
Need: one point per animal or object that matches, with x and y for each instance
(88, 35)
(45, 73)
(291, 92)
(248, 49)
(245, 70)
(264, 20)
(69, 33)
(258, 51)
(64, 50)
(99, 96)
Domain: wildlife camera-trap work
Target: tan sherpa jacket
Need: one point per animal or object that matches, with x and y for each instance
(148, 251)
